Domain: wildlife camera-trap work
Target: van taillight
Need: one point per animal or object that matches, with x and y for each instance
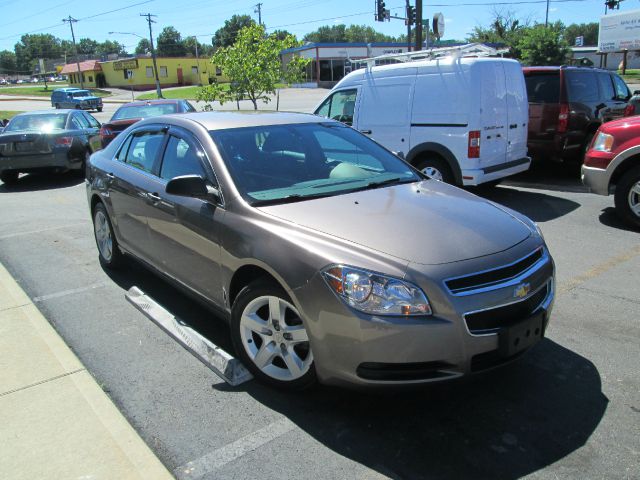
(563, 118)
(474, 144)
(629, 110)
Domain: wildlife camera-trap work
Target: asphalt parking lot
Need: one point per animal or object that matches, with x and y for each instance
(569, 409)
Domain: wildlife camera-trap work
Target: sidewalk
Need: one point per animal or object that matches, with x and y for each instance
(55, 421)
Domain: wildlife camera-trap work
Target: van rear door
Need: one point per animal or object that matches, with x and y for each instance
(494, 124)
(384, 110)
(517, 112)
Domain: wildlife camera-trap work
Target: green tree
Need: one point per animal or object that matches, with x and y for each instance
(143, 47)
(280, 34)
(108, 47)
(87, 46)
(32, 47)
(587, 30)
(170, 43)
(542, 45)
(505, 29)
(253, 66)
(204, 50)
(7, 62)
(226, 36)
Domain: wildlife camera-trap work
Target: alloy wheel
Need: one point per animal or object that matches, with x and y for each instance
(103, 235)
(274, 338)
(634, 199)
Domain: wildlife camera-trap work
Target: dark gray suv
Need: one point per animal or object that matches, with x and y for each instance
(332, 259)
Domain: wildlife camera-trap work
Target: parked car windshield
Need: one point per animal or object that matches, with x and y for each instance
(144, 111)
(38, 123)
(283, 163)
(81, 93)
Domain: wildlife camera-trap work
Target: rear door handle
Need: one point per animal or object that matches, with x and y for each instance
(513, 125)
(366, 132)
(154, 197)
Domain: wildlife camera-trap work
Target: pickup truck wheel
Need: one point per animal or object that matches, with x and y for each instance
(270, 337)
(435, 168)
(627, 197)
(9, 178)
(78, 107)
(57, 105)
(99, 109)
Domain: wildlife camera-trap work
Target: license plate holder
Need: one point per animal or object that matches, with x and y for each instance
(522, 335)
(23, 146)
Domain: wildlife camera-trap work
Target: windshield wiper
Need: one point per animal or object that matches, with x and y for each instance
(288, 199)
(382, 183)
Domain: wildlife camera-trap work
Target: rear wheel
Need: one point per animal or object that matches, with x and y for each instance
(99, 109)
(9, 178)
(627, 197)
(108, 252)
(435, 168)
(270, 337)
(57, 105)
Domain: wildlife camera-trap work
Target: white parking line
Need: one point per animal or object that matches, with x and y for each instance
(232, 451)
(33, 232)
(64, 293)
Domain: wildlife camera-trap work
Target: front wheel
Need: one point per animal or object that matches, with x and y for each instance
(108, 252)
(270, 337)
(435, 168)
(627, 197)
(9, 178)
(57, 105)
(99, 109)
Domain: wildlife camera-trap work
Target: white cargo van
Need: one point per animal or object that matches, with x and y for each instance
(458, 119)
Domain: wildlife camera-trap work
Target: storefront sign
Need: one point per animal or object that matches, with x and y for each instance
(126, 64)
(619, 31)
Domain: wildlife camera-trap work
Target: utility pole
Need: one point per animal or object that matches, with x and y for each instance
(197, 60)
(153, 52)
(258, 10)
(546, 18)
(418, 25)
(71, 21)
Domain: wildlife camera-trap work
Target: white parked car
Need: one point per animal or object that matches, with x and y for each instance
(459, 119)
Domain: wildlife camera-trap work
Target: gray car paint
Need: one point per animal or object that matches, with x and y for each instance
(425, 232)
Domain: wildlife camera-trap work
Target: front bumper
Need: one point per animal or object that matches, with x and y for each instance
(596, 179)
(351, 348)
(29, 163)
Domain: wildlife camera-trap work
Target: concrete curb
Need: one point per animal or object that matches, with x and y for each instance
(56, 420)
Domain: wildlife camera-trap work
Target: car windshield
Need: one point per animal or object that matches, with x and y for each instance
(81, 93)
(284, 163)
(144, 111)
(39, 123)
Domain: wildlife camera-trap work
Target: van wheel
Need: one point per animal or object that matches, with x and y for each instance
(627, 197)
(435, 168)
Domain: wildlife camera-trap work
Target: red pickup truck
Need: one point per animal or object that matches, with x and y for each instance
(612, 164)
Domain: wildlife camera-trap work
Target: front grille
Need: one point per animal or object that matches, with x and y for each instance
(403, 371)
(491, 320)
(493, 277)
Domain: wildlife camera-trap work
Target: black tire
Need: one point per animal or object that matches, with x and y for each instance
(83, 164)
(57, 105)
(253, 294)
(628, 196)
(9, 178)
(435, 167)
(99, 109)
(116, 259)
(78, 107)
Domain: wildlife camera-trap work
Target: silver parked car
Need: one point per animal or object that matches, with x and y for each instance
(332, 259)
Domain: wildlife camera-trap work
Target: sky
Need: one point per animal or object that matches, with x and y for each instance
(203, 17)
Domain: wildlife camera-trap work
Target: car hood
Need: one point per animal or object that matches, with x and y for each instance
(427, 223)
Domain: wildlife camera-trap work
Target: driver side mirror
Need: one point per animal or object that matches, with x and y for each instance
(192, 186)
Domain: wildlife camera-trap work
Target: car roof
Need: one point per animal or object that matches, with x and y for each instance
(45, 112)
(67, 89)
(225, 120)
(562, 67)
(141, 103)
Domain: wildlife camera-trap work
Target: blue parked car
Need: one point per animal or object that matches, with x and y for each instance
(75, 98)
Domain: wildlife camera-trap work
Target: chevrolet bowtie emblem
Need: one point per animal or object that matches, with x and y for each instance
(522, 290)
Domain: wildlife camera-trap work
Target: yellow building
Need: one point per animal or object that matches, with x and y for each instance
(137, 73)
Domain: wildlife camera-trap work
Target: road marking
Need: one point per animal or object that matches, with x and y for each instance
(232, 451)
(72, 291)
(32, 232)
(598, 270)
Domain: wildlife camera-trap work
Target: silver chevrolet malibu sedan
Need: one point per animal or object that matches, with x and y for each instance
(332, 259)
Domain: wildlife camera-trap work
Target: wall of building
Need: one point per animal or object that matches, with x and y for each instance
(89, 79)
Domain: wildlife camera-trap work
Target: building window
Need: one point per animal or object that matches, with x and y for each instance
(163, 71)
(194, 70)
(91, 78)
(325, 70)
(218, 71)
(149, 72)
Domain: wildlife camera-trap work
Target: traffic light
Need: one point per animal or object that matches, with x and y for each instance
(380, 14)
(411, 15)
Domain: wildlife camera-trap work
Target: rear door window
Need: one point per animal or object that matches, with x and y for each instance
(143, 150)
(606, 86)
(543, 87)
(622, 91)
(582, 87)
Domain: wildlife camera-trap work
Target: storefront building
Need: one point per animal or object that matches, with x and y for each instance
(332, 61)
(90, 72)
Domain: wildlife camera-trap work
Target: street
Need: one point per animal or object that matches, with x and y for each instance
(569, 409)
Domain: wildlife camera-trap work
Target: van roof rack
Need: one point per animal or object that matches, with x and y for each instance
(468, 50)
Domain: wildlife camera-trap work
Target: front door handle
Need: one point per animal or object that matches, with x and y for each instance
(513, 125)
(366, 132)
(154, 197)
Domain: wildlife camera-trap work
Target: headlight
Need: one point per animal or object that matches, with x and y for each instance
(374, 293)
(538, 230)
(603, 142)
